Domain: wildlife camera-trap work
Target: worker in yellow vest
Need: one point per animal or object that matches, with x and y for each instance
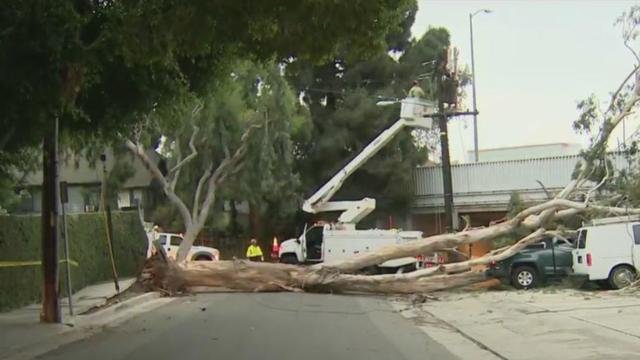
(254, 253)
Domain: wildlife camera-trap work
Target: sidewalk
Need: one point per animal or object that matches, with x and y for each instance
(556, 324)
(24, 336)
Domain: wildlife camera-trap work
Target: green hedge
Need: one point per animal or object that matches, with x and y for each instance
(20, 240)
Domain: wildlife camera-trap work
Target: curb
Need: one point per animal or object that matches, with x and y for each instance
(112, 312)
(84, 326)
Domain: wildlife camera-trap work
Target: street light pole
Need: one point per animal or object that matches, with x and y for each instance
(473, 85)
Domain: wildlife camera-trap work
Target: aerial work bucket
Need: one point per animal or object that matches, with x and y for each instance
(415, 108)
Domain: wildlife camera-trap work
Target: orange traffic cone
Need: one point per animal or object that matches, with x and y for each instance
(275, 248)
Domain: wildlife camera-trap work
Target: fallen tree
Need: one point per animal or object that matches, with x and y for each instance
(252, 276)
(162, 273)
(578, 197)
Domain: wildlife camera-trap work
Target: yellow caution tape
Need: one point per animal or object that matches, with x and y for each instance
(31, 263)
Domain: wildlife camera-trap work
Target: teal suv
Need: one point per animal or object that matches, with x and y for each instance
(531, 266)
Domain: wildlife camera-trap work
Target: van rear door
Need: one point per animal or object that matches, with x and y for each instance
(636, 246)
(580, 265)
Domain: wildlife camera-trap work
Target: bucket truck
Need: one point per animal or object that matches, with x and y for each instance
(327, 242)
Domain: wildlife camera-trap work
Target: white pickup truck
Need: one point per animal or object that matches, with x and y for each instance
(171, 242)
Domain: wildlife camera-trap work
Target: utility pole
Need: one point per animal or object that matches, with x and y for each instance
(447, 183)
(50, 202)
(447, 86)
(445, 78)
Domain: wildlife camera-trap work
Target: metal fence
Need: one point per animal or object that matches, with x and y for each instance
(486, 178)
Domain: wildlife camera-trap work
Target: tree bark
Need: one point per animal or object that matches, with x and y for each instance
(267, 277)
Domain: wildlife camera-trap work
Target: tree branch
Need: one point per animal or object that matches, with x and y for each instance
(233, 161)
(573, 208)
(153, 169)
(192, 146)
(615, 94)
(613, 123)
(544, 189)
(196, 198)
(467, 222)
(172, 178)
(510, 251)
(604, 179)
(635, 54)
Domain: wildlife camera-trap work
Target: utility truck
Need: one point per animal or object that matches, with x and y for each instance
(608, 251)
(333, 241)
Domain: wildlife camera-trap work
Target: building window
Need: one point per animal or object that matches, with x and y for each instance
(91, 198)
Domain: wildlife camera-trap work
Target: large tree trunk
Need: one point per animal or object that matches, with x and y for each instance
(264, 277)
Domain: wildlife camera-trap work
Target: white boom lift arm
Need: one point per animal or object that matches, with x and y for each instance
(413, 113)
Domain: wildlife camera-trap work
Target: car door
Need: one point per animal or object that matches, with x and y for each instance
(563, 252)
(636, 246)
(579, 254)
(173, 245)
(545, 256)
(314, 243)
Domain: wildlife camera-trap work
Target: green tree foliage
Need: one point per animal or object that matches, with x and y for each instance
(253, 94)
(341, 97)
(98, 65)
(269, 181)
(11, 166)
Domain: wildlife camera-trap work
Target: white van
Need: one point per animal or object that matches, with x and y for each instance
(608, 251)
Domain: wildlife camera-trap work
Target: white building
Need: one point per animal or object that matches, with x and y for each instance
(84, 178)
(525, 152)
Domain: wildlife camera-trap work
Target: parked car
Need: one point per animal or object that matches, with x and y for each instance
(550, 258)
(171, 242)
(608, 252)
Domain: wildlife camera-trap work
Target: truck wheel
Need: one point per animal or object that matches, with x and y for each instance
(289, 259)
(621, 276)
(524, 277)
(202, 258)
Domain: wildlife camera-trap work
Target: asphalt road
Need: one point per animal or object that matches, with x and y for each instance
(277, 326)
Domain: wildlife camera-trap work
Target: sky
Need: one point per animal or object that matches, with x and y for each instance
(534, 61)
